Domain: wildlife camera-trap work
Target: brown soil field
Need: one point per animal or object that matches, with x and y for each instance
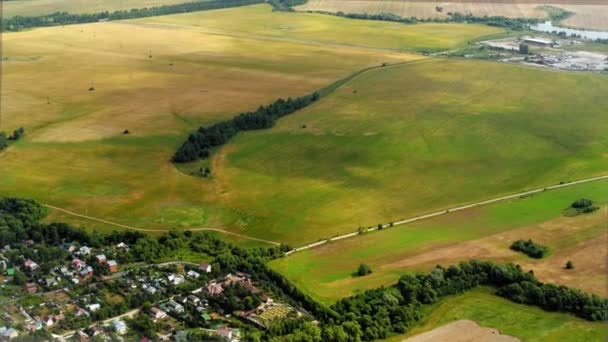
(588, 16)
(582, 239)
(462, 331)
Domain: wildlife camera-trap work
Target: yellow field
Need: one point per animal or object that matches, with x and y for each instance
(593, 17)
(74, 154)
(43, 7)
(421, 9)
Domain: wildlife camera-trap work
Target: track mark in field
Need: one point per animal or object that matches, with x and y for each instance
(157, 230)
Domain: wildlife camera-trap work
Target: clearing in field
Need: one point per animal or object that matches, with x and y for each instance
(33, 8)
(407, 140)
(461, 331)
(480, 233)
(261, 21)
(520, 321)
(77, 89)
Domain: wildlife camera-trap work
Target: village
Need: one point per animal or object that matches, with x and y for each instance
(89, 296)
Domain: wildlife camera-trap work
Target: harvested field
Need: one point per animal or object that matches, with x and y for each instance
(593, 17)
(462, 331)
(44, 7)
(420, 9)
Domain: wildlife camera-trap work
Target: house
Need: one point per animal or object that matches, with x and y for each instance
(50, 282)
(10, 272)
(178, 279)
(81, 336)
(31, 288)
(84, 250)
(30, 265)
(123, 245)
(215, 289)
(206, 317)
(70, 247)
(8, 333)
(3, 264)
(119, 326)
(86, 272)
(48, 321)
(157, 313)
(193, 274)
(112, 266)
(206, 267)
(193, 300)
(93, 307)
(64, 271)
(78, 264)
(101, 259)
(151, 290)
(225, 333)
(175, 307)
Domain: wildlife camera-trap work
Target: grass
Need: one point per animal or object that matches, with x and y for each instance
(259, 20)
(326, 272)
(44, 7)
(406, 140)
(74, 154)
(525, 322)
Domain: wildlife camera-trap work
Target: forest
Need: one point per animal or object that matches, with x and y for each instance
(18, 23)
(200, 142)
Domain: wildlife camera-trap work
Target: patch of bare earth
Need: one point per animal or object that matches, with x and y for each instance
(582, 239)
(462, 331)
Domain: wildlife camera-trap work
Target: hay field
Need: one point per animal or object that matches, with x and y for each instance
(524, 322)
(74, 154)
(407, 140)
(484, 233)
(44, 7)
(260, 21)
(420, 9)
(593, 17)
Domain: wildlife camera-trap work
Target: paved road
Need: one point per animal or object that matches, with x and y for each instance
(156, 230)
(443, 212)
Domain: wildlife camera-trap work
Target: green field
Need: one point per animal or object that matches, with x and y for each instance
(44, 7)
(261, 21)
(525, 322)
(326, 272)
(406, 140)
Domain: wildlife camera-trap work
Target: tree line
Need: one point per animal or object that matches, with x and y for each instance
(18, 23)
(200, 142)
(4, 139)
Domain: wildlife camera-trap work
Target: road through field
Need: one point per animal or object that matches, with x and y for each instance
(443, 212)
(344, 236)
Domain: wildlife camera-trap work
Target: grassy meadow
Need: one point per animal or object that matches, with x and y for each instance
(527, 323)
(482, 233)
(406, 140)
(261, 21)
(43, 7)
(158, 83)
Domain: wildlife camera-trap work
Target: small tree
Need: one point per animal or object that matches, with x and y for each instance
(363, 270)
(380, 226)
(569, 265)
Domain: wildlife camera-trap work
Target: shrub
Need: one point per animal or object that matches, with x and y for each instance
(363, 270)
(530, 248)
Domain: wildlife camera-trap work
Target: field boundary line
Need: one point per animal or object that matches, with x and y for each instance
(446, 211)
(156, 230)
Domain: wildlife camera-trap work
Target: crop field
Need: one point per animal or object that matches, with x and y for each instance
(593, 17)
(44, 7)
(260, 21)
(77, 88)
(420, 9)
(483, 233)
(524, 322)
(406, 140)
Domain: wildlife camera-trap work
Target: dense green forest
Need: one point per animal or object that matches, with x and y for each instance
(371, 315)
(18, 23)
(200, 142)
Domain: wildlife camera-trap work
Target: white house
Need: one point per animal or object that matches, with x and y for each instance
(119, 326)
(206, 267)
(157, 313)
(93, 307)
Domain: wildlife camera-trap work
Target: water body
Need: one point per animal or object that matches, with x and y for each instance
(548, 26)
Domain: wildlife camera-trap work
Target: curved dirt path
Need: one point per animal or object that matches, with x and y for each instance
(156, 230)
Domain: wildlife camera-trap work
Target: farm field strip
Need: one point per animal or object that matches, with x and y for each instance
(443, 212)
(481, 232)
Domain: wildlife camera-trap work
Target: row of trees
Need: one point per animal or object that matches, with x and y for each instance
(530, 248)
(499, 21)
(200, 142)
(4, 139)
(18, 23)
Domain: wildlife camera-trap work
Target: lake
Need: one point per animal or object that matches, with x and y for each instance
(548, 26)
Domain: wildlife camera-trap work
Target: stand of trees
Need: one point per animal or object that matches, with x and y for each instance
(19, 23)
(3, 141)
(530, 248)
(200, 142)
(583, 206)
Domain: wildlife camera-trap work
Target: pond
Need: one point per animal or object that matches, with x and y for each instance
(548, 26)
